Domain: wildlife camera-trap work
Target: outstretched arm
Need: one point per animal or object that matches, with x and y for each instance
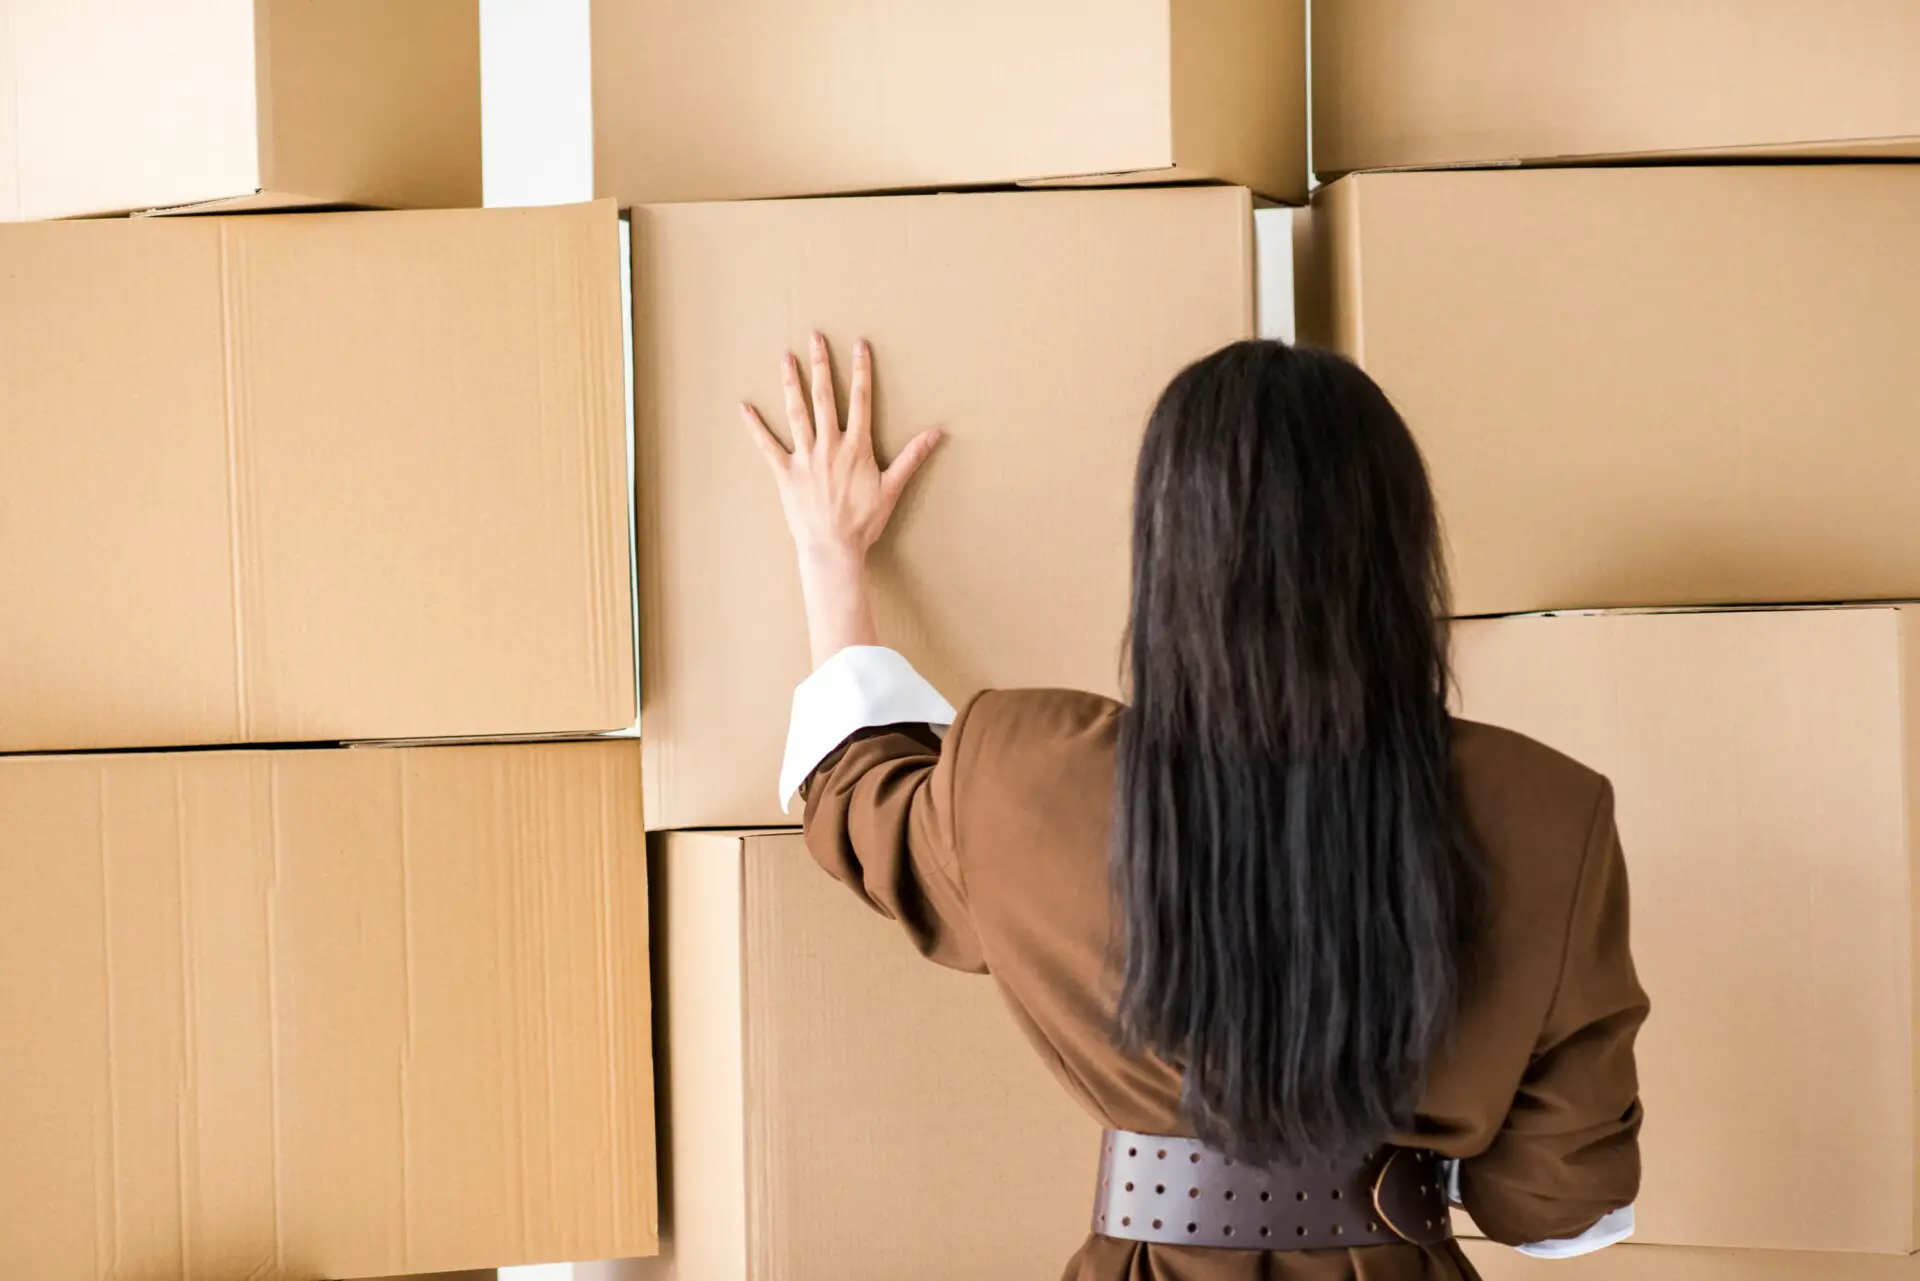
(867, 730)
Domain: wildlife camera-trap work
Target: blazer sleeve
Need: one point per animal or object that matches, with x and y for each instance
(880, 817)
(1568, 1153)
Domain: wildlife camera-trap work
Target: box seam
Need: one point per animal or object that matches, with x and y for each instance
(1249, 261)
(1352, 276)
(750, 1085)
(403, 779)
(1908, 650)
(188, 1104)
(107, 1233)
(230, 411)
(277, 843)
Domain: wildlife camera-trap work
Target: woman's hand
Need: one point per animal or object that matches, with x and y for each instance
(836, 496)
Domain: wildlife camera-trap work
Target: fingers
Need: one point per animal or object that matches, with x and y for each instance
(799, 421)
(776, 453)
(894, 479)
(860, 398)
(826, 417)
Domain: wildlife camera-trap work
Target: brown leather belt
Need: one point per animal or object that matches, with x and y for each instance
(1174, 1191)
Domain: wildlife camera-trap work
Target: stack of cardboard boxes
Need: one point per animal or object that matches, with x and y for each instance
(280, 1006)
(272, 1005)
(832, 1106)
(1662, 403)
(1669, 396)
(299, 481)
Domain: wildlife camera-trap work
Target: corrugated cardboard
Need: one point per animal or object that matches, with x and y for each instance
(838, 1108)
(1664, 386)
(1037, 327)
(117, 105)
(313, 477)
(1767, 768)
(701, 101)
(1631, 1262)
(335, 1013)
(1500, 81)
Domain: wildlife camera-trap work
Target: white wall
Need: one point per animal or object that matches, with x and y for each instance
(536, 102)
(1273, 272)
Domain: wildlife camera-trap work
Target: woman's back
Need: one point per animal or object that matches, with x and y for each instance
(1278, 917)
(995, 855)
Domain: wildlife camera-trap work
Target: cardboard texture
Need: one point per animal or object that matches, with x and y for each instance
(825, 1089)
(921, 94)
(1631, 1262)
(1766, 766)
(313, 477)
(119, 105)
(1666, 386)
(332, 1013)
(1500, 81)
(1037, 327)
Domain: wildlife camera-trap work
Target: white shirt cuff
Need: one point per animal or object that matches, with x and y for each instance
(1612, 1230)
(861, 687)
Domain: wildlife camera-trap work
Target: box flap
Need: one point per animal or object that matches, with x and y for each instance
(1161, 177)
(255, 202)
(1896, 148)
(314, 477)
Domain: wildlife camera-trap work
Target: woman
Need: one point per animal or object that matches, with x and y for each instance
(1310, 948)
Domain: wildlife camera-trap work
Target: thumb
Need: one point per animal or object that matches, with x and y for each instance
(918, 450)
(769, 445)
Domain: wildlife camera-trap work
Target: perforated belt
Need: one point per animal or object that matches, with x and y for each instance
(1174, 1191)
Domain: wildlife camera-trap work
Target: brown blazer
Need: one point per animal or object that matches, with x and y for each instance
(991, 850)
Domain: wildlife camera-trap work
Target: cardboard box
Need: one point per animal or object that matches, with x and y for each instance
(1037, 327)
(1631, 1262)
(1767, 770)
(333, 1013)
(1665, 386)
(835, 1107)
(1506, 81)
(313, 477)
(698, 101)
(119, 105)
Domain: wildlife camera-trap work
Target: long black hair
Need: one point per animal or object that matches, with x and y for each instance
(1296, 891)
